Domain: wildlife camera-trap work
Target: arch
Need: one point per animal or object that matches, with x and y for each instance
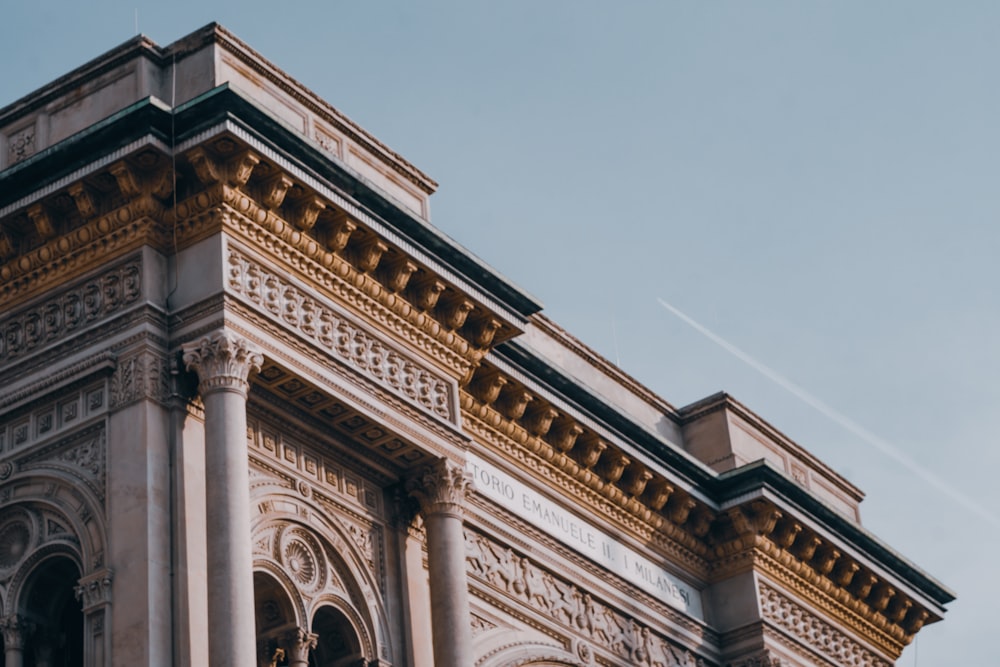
(338, 642)
(535, 654)
(62, 494)
(47, 601)
(275, 615)
(364, 604)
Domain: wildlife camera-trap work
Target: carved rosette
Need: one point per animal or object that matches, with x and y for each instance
(15, 631)
(94, 590)
(223, 362)
(441, 488)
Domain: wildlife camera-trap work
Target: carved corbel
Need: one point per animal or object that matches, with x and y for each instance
(484, 330)
(514, 401)
(84, 201)
(564, 436)
(805, 546)
(486, 385)
(161, 182)
(398, 272)
(635, 479)
(125, 177)
(204, 165)
(42, 221)
(613, 464)
(679, 508)
(897, 608)
(785, 533)
(591, 451)
(275, 189)
(844, 571)
(699, 521)
(306, 212)
(757, 518)
(241, 167)
(7, 246)
(880, 595)
(658, 493)
(539, 420)
(862, 584)
(915, 620)
(341, 228)
(454, 310)
(368, 253)
(824, 559)
(426, 290)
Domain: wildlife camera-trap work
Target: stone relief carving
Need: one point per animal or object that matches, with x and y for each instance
(303, 559)
(761, 659)
(349, 342)
(71, 310)
(141, 376)
(481, 625)
(567, 604)
(82, 453)
(21, 145)
(814, 632)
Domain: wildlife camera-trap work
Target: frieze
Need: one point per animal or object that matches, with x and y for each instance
(373, 358)
(72, 310)
(815, 633)
(567, 604)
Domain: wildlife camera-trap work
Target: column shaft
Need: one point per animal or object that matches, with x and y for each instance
(441, 490)
(223, 363)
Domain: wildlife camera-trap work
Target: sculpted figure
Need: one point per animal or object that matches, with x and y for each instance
(501, 566)
(474, 554)
(656, 651)
(597, 620)
(534, 586)
(565, 599)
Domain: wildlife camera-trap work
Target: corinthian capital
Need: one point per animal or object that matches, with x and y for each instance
(94, 590)
(15, 631)
(300, 642)
(223, 361)
(441, 488)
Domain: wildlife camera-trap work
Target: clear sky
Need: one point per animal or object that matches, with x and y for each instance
(815, 182)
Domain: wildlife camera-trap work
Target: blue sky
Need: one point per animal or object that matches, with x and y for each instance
(813, 181)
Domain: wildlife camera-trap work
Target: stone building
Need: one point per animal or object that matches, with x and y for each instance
(255, 409)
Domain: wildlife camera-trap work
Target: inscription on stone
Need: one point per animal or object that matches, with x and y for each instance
(582, 537)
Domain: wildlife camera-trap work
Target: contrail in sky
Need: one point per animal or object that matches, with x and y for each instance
(878, 443)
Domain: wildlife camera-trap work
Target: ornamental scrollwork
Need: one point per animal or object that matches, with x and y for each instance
(567, 604)
(142, 376)
(349, 342)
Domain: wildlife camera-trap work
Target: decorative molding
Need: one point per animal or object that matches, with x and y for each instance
(760, 659)
(441, 488)
(223, 361)
(480, 625)
(20, 145)
(814, 632)
(567, 604)
(145, 375)
(72, 310)
(94, 590)
(348, 341)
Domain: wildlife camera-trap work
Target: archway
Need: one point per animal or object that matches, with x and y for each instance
(49, 604)
(337, 642)
(274, 614)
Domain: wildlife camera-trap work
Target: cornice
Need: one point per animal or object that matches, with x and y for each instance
(598, 496)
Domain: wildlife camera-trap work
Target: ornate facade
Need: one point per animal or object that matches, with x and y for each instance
(254, 409)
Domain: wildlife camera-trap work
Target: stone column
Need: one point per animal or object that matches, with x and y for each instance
(300, 642)
(441, 491)
(15, 632)
(224, 362)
